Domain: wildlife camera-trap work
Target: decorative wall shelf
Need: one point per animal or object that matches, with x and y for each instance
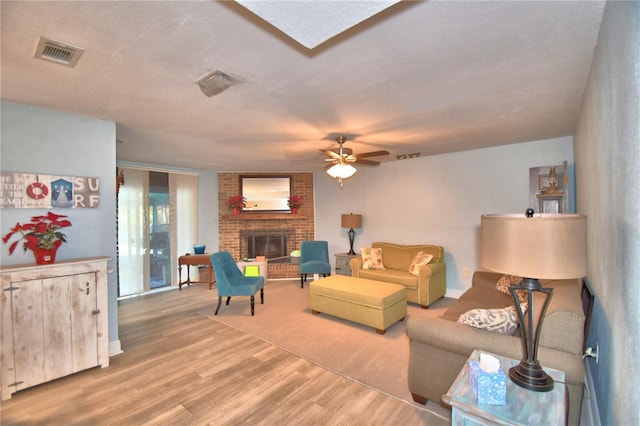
(264, 216)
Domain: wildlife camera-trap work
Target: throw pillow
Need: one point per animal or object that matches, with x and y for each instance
(371, 258)
(421, 259)
(504, 320)
(507, 280)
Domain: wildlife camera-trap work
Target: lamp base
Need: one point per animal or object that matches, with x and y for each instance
(352, 235)
(530, 375)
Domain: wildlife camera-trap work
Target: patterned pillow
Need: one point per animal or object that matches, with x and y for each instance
(504, 321)
(371, 258)
(421, 259)
(505, 281)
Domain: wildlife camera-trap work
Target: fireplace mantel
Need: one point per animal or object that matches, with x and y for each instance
(264, 216)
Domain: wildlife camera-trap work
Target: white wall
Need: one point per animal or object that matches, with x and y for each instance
(607, 152)
(436, 200)
(36, 140)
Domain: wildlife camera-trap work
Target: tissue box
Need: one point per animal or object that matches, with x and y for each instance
(489, 388)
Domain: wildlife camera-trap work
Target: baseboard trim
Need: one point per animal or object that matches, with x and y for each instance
(114, 347)
(589, 414)
(454, 294)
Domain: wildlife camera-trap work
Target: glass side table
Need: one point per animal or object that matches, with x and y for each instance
(524, 407)
(262, 265)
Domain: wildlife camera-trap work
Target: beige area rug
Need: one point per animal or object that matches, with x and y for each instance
(346, 348)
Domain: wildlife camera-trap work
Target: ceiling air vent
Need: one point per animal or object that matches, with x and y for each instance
(215, 82)
(57, 52)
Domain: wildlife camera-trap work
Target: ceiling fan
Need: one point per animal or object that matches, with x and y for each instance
(345, 155)
(340, 160)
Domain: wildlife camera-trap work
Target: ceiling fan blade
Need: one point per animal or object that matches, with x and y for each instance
(330, 153)
(367, 162)
(373, 154)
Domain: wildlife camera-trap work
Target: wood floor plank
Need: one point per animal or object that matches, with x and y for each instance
(179, 367)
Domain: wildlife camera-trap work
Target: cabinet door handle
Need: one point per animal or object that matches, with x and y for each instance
(88, 286)
(95, 312)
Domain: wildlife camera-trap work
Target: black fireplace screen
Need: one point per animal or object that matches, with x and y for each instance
(269, 243)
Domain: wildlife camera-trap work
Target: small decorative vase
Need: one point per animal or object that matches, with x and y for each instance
(294, 210)
(235, 211)
(45, 256)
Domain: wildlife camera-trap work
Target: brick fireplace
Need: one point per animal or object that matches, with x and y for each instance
(266, 231)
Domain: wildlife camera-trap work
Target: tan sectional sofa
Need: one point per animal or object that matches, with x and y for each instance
(431, 282)
(440, 346)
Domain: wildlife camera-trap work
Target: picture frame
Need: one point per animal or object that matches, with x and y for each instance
(266, 193)
(540, 191)
(551, 203)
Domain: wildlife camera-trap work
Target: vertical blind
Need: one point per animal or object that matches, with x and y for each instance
(134, 226)
(183, 217)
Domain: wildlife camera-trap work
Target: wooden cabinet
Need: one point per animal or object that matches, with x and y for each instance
(54, 321)
(342, 263)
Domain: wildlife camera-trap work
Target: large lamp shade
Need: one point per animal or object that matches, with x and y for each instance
(352, 220)
(545, 246)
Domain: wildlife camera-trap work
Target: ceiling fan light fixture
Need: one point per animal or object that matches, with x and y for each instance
(341, 171)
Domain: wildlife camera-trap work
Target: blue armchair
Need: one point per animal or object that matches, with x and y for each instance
(232, 282)
(314, 259)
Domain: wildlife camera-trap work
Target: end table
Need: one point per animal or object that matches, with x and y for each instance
(261, 264)
(524, 407)
(342, 263)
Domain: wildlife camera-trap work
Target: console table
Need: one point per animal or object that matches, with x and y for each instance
(194, 260)
(524, 407)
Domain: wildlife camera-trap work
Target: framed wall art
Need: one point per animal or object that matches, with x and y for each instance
(32, 190)
(549, 188)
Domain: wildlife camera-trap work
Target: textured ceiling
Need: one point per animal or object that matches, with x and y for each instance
(427, 77)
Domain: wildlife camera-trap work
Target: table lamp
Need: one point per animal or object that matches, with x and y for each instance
(544, 246)
(351, 221)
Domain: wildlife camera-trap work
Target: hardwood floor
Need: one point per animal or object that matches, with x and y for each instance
(180, 367)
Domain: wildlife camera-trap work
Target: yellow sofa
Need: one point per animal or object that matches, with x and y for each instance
(431, 282)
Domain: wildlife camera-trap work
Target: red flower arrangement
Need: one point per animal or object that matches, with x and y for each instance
(41, 232)
(236, 202)
(294, 202)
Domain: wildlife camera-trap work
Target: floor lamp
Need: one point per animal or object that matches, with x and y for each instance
(351, 221)
(545, 246)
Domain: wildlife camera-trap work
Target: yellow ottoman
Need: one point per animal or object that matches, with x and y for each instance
(373, 303)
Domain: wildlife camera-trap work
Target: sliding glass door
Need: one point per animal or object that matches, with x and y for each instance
(159, 227)
(157, 221)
